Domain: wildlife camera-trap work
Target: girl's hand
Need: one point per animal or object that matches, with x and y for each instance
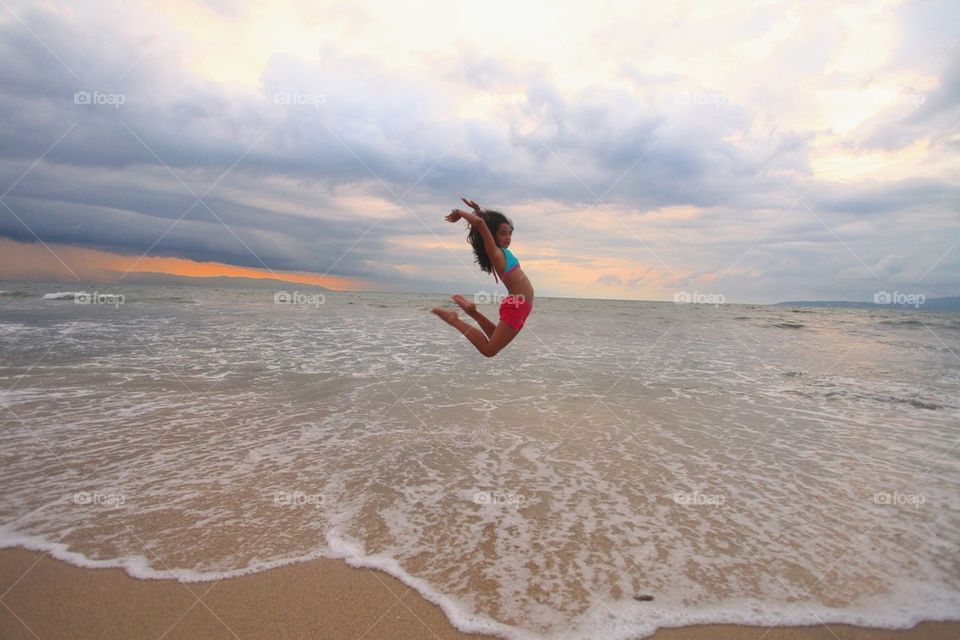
(473, 205)
(472, 218)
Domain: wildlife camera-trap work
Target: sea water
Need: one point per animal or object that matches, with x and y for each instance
(736, 463)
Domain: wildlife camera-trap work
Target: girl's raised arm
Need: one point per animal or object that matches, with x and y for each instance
(470, 203)
(497, 258)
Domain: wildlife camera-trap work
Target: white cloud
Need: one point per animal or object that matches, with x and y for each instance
(698, 128)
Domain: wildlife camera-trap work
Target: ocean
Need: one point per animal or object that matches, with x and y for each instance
(620, 467)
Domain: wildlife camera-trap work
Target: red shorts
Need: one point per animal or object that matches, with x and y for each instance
(514, 311)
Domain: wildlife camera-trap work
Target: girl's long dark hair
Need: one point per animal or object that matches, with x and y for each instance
(493, 219)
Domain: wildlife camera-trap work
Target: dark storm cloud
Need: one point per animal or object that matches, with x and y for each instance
(274, 164)
(900, 196)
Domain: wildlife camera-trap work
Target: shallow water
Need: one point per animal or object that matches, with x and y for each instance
(738, 463)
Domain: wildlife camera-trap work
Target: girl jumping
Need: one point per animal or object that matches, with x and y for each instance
(490, 234)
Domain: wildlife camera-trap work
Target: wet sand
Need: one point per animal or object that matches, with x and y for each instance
(46, 598)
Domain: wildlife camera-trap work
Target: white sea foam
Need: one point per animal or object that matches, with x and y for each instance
(62, 295)
(609, 619)
(722, 472)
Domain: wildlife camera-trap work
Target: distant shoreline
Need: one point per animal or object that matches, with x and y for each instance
(951, 303)
(948, 303)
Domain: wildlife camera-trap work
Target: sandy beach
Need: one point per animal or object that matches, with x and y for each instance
(536, 321)
(46, 598)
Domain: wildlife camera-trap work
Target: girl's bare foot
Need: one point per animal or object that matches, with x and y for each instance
(447, 316)
(464, 304)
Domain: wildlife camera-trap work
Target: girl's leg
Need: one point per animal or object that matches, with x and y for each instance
(471, 310)
(501, 337)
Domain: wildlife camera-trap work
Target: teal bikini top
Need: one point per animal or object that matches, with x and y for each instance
(512, 263)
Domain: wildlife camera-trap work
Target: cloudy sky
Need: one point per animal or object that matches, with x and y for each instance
(765, 151)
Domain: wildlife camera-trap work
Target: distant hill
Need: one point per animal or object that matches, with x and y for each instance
(146, 277)
(929, 304)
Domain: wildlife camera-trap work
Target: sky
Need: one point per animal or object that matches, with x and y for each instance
(761, 151)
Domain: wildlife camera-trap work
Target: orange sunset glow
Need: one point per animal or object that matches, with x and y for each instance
(765, 151)
(57, 262)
